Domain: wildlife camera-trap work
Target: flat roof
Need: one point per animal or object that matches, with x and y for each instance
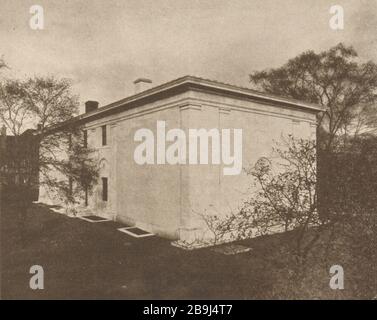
(181, 85)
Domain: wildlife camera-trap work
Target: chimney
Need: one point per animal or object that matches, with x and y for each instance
(142, 84)
(90, 106)
(3, 130)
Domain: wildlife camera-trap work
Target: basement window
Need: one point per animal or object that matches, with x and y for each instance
(104, 189)
(104, 135)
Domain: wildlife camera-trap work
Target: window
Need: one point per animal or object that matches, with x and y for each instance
(85, 139)
(104, 136)
(104, 189)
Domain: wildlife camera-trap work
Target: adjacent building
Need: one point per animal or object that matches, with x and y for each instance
(19, 156)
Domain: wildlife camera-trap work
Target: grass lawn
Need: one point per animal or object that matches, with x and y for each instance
(95, 260)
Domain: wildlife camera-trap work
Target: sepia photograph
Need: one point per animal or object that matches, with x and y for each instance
(188, 150)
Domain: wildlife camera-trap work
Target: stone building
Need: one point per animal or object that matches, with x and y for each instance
(165, 199)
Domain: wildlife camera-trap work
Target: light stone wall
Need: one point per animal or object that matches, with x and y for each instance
(167, 199)
(211, 192)
(148, 196)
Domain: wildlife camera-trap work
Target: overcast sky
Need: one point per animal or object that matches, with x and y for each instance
(104, 45)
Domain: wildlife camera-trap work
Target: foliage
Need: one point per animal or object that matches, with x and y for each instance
(346, 88)
(36, 101)
(65, 164)
(335, 79)
(285, 200)
(287, 195)
(347, 177)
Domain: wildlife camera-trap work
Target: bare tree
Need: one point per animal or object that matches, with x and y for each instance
(44, 102)
(15, 113)
(285, 200)
(334, 79)
(287, 196)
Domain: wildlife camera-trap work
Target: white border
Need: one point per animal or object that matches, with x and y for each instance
(94, 221)
(125, 230)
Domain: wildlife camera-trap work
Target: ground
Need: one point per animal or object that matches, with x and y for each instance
(94, 260)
